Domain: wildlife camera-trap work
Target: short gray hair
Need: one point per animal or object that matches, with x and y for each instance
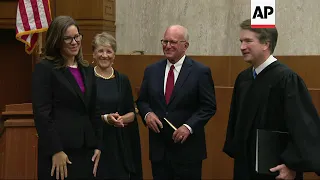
(104, 39)
(186, 34)
(185, 31)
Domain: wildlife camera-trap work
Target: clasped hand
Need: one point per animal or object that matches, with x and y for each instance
(115, 120)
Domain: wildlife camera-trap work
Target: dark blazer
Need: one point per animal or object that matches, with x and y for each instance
(192, 102)
(64, 116)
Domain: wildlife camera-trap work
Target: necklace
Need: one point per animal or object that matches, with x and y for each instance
(99, 75)
(74, 65)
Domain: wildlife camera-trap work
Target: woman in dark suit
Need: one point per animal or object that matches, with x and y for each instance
(63, 99)
(121, 152)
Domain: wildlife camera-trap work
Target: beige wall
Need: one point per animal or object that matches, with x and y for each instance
(213, 25)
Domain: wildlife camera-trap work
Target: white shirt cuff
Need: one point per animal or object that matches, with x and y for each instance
(190, 129)
(146, 116)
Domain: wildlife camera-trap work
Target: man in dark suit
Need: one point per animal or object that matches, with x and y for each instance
(182, 91)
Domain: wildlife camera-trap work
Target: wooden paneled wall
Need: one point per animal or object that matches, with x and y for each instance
(93, 17)
(224, 72)
(15, 70)
(15, 79)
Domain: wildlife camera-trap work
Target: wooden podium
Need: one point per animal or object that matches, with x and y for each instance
(18, 143)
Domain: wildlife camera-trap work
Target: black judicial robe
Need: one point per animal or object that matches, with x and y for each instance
(277, 100)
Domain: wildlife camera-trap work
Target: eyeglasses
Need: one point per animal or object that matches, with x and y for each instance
(69, 39)
(172, 43)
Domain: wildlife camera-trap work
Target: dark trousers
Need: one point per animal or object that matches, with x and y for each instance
(111, 179)
(168, 170)
(130, 177)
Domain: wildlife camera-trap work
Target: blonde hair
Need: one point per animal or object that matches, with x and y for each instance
(103, 39)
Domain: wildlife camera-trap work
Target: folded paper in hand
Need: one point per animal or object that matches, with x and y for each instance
(171, 125)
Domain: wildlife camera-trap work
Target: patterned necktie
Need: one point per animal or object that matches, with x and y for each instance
(170, 84)
(254, 74)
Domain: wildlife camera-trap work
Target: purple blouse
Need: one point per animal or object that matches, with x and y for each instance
(77, 75)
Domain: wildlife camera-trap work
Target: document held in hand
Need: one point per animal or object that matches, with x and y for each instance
(269, 146)
(171, 125)
(167, 130)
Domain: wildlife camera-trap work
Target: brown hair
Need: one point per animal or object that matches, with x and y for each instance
(264, 34)
(103, 39)
(54, 40)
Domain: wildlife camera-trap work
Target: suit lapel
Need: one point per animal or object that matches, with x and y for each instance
(160, 77)
(74, 85)
(87, 84)
(183, 75)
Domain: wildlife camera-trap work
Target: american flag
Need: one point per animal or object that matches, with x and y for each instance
(33, 17)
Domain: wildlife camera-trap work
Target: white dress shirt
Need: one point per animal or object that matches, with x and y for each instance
(270, 60)
(176, 71)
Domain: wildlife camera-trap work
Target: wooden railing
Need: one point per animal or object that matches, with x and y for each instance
(18, 145)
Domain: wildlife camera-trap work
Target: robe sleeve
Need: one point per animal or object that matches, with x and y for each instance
(227, 148)
(302, 153)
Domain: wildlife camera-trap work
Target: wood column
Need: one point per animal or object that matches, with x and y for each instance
(93, 17)
(18, 144)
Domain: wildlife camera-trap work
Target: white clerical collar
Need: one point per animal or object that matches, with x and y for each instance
(266, 63)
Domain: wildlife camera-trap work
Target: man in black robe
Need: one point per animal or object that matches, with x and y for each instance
(270, 96)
